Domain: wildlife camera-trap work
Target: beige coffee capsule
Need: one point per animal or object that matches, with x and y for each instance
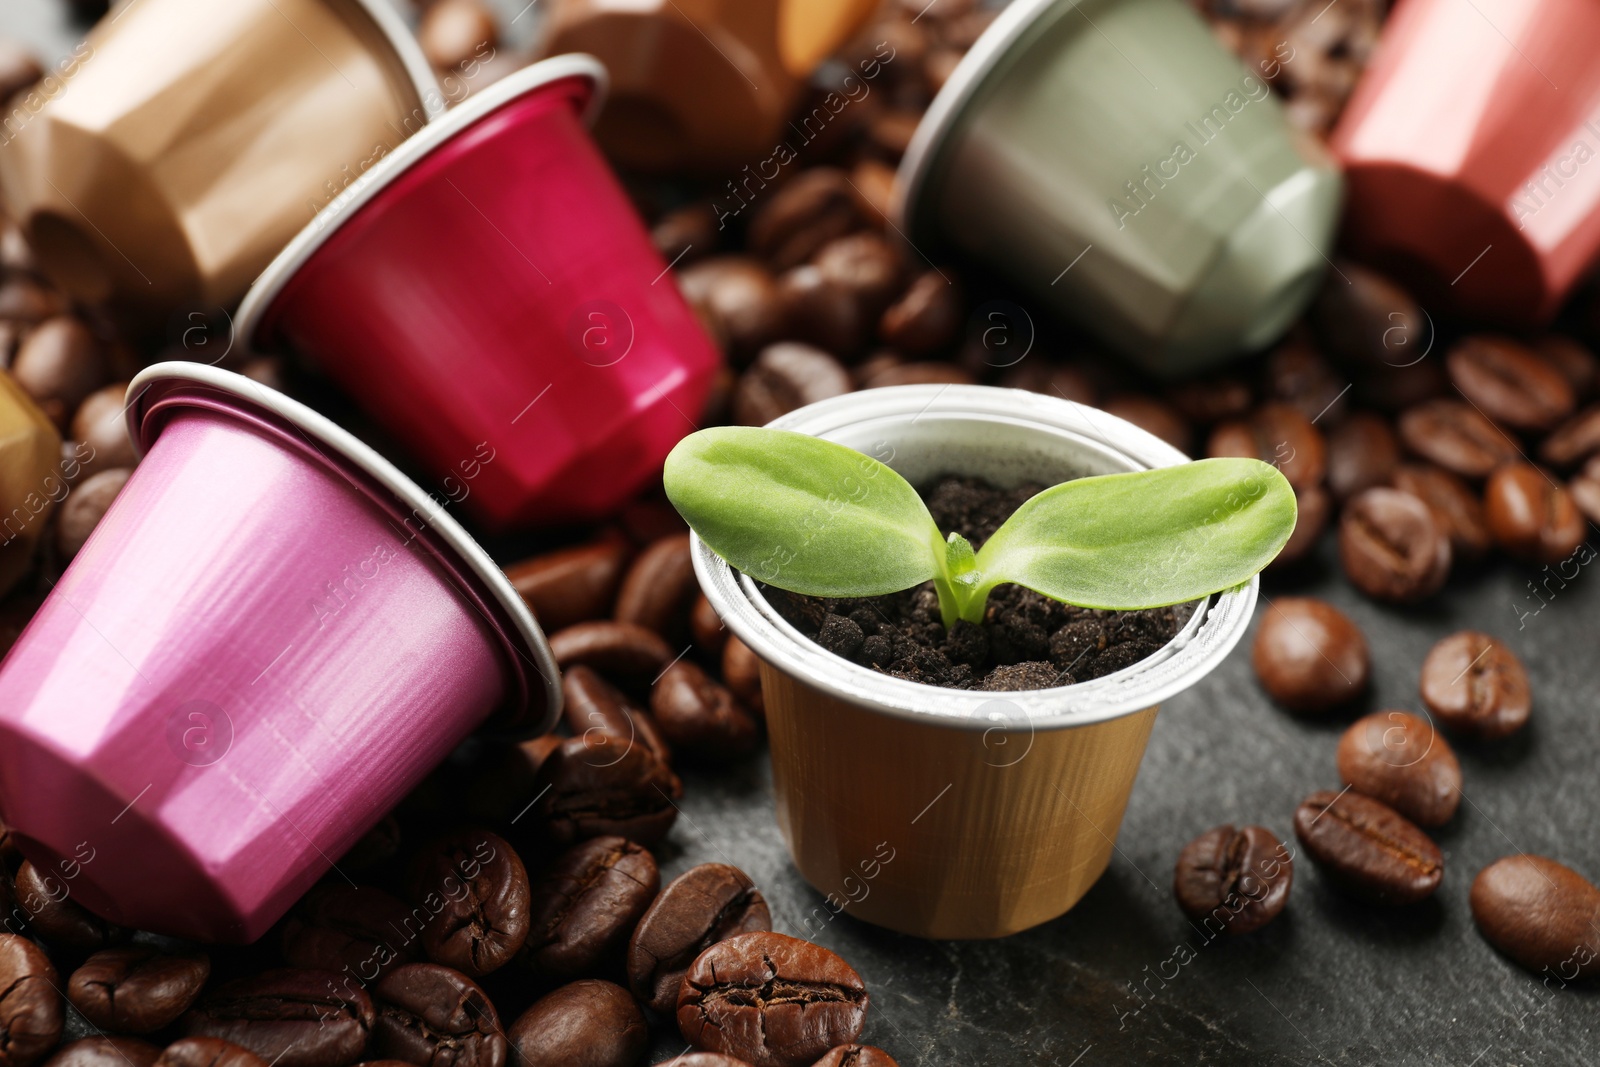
(701, 85)
(32, 481)
(954, 813)
(186, 141)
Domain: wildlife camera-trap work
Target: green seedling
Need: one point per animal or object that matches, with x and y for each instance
(820, 519)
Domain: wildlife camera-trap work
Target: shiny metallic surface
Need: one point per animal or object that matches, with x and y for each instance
(540, 362)
(1471, 145)
(264, 645)
(33, 479)
(1114, 160)
(172, 155)
(701, 85)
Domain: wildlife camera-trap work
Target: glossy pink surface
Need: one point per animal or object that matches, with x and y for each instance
(246, 666)
(501, 298)
(1475, 132)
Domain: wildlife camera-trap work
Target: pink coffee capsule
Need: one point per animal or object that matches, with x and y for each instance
(271, 637)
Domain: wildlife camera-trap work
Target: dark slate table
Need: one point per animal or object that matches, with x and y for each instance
(1330, 981)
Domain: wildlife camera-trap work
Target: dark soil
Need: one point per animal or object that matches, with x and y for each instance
(1026, 641)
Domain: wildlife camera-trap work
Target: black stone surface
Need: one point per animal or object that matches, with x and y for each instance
(1331, 981)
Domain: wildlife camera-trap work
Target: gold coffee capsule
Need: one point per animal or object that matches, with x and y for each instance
(32, 481)
(701, 84)
(188, 140)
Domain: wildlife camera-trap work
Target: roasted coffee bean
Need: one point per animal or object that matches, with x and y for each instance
(1367, 848)
(1399, 758)
(377, 846)
(1398, 389)
(1309, 655)
(1278, 434)
(105, 1052)
(1363, 452)
(1574, 440)
(475, 886)
(504, 784)
(857, 1056)
(341, 927)
(795, 221)
(648, 519)
(136, 989)
(1456, 508)
(1297, 375)
(865, 266)
(741, 673)
(1152, 416)
(939, 373)
(586, 905)
(872, 182)
(703, 905)
(1053, 379)
(620, 650)
(26, 301)
(1509, 382)
(84, 507)
(572, 585)
(774, 1000)
(30, 1007)
(821, 312)
(454, 32)
(710, 636)
(436, 1016)
(1456, 436)
(55, 917)
(784, 377)
(1532, 516)
(1585, 490)
(1391, 546)
(1576, 363)
(207, 1052)
(1313, 508)
(294, 1018)
(686, 234)
(100, 424)
(602, 715)
(1474, 684)
(890, 130)
(925, 319)
(659, 588)
(700, 717)
(583, 793)
(740, 297)
(1544, 915)
(1237, 879)
(1211, 400)
(585, 1024)
(59, 364)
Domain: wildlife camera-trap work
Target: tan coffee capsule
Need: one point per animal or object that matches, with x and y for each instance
(186, 141)
(701, 85)
(32, 481)
(954, 813)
